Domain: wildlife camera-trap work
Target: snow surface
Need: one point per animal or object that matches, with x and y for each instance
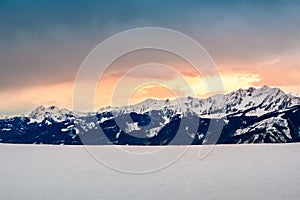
(132, 127)
(228, 172)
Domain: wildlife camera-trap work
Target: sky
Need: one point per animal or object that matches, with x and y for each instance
(44, 42)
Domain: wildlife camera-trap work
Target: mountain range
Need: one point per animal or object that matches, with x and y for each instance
(263, 115)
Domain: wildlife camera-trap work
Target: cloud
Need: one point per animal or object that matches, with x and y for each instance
(43, 42)
(33, 63)
(154, 91)
(24, 100)
(283, 72)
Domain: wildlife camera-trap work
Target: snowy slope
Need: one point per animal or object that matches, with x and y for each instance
(229, 172)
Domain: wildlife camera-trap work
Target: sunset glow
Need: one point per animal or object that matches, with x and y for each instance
(252, 44)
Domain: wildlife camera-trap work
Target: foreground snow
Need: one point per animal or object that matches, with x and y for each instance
(228, 172)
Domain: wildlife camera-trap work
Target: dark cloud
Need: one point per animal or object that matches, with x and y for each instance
(44, 42)
(40, 62)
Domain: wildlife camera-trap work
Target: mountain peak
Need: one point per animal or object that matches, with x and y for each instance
(40, 113)
(251, 115)
(3, 116)
(258, 100)
(265, 87)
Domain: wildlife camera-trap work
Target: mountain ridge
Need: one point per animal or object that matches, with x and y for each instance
(159, 103)
(262, 115)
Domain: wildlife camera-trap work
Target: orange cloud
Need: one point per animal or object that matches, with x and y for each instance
(151, 91)
(25, 100)
(122, 84)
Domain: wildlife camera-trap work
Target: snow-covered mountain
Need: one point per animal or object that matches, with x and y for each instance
(243, 116)
(41, 113)
(254, 101)
(3, 116)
